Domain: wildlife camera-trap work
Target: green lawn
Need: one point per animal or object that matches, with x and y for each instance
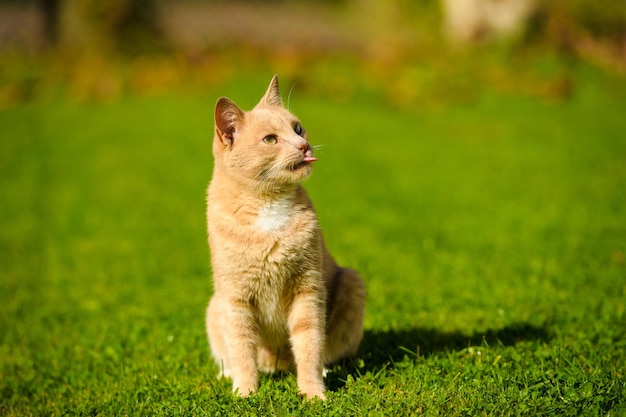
(491, 236)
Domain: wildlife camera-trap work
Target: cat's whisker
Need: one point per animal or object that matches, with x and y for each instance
(289, 97)
(319, 149)
(267, 177)
(265, 180)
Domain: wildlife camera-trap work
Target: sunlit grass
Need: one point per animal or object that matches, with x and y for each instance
(490, 234)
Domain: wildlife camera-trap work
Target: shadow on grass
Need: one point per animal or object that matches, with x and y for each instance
(380, 349)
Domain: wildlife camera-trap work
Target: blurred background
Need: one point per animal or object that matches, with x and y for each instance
(405, 53)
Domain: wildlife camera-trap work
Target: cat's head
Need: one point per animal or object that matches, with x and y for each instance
(265, 148)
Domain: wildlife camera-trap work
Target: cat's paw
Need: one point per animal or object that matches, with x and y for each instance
(313, 390)
(318, 395)
(244, 392)
(244, 386)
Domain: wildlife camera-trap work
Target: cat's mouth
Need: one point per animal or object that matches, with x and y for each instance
(305, 161)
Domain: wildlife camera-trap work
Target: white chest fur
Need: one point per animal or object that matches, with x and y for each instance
(274, 215)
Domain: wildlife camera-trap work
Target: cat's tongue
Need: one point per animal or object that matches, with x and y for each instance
(309, 159)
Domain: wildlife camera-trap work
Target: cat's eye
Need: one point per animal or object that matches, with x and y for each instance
(298, 129)
(270, 139)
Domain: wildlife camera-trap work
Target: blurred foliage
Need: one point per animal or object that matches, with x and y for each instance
(605, 18)
(124, 26)
(394, 49)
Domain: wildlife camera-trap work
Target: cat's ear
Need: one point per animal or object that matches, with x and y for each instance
(227, 117)
(272, 95)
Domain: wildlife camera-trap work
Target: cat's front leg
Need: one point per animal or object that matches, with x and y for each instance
(215, 332)
(306, 329)
(241, 339)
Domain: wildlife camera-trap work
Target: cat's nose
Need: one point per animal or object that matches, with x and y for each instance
(303, 146)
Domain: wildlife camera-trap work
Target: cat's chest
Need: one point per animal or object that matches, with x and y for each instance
(268, 235)
(287, 234)
(274, 216)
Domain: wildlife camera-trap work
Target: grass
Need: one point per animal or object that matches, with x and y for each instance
(491, 236)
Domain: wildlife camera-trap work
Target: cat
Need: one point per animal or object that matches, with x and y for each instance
(279, 297)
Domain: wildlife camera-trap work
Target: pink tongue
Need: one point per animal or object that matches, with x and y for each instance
(309, 159)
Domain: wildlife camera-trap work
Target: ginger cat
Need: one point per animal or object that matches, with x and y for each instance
(279, 296)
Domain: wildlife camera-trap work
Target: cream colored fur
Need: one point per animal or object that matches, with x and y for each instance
(280, 299)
